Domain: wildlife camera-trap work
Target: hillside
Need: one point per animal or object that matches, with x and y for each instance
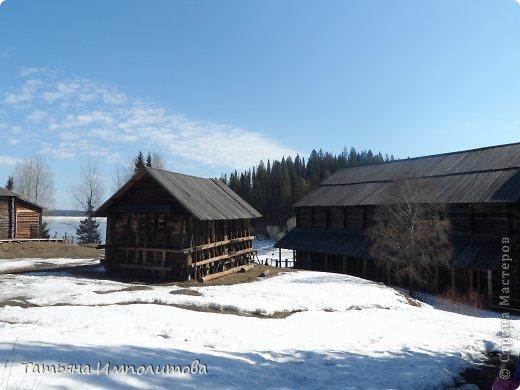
(294, 330)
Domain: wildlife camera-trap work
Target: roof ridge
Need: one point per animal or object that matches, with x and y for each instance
(177, 173)
(433, 155)
(421, 177)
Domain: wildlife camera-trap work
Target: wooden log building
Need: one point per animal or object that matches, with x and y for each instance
(176, 227)
(19, 218)
(480, 188)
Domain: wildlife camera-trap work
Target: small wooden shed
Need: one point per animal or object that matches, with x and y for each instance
(19, 218)
(176, 226)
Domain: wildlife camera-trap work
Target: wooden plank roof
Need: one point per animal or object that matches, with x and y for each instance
(476, 253)
(5, 193)
(206, 199)
(333, 242)
(487, 175)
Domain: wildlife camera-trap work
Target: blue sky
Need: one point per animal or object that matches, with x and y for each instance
(218, 85)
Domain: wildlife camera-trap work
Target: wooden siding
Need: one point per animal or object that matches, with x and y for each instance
(27, 222)
(5, 219)
(146, 192)
(176, 246)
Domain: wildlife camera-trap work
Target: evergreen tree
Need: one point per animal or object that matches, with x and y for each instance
(149, 160)
(139, 163)
(274, 187)
(10, 183)
(88, 229)
(44, 230)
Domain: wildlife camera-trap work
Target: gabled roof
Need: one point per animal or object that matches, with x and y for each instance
(484, 175)
(5, 193)
(206, 199)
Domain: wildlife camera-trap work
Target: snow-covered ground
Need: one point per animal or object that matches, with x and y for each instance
(24, 264)
(344, 332)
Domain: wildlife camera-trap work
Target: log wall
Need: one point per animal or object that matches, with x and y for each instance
(27, 222)
(5, 219)
(176, 246)
(495, 221)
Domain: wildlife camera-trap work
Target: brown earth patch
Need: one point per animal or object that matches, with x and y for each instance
(251, 275)
(207, 309)
(46, 250)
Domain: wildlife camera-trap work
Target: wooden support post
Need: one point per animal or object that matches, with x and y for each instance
(364, 267)
(326, 262)
(343, 268)
(453, 278)
(280, 256)
(490, 287)
(470, 277)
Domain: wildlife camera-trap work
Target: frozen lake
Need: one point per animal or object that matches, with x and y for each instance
(59, 226)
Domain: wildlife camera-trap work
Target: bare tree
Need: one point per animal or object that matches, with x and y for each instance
(411, 237)
(121, 176)
(157, 161)
(89, 192)
(33, 180)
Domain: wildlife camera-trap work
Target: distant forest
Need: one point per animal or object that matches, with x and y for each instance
(274, 187)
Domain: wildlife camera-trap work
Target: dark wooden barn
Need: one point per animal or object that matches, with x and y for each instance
(480, 188)
(176, 226)
(19, 218)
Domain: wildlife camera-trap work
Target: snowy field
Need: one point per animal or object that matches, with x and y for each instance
(297, 330)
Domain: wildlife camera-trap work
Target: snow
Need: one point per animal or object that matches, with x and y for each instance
(24, 264)
(344, 332)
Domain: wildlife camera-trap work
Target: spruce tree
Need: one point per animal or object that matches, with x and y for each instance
(139, 163)
(149, 160)
(88, 229)
(10, 183)
(44, 230)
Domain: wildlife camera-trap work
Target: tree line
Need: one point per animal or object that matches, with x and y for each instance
(274, 187)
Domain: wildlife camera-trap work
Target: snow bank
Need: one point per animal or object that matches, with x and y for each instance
(346, 333)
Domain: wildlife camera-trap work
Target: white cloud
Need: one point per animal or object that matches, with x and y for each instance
(28, 71)
(24, 95)
(5, 160)
(37, 116)
(93, 119)
(518, 1)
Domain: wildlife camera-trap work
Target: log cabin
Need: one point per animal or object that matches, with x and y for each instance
(480, 189)
(172, 226)
(19, 218)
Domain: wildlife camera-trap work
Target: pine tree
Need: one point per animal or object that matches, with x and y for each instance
(149, 160)
(88, 229)
(10, 183)
(139, 163)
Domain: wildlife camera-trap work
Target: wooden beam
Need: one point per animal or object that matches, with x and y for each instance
(218, 243)
(19, 240)
(242, 268)
(143, 266)
(490, 287)
(223, 257)
(141, 248)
